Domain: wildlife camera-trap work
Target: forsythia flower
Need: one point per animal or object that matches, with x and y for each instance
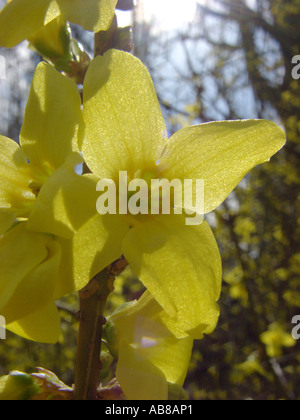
(180, 265)
(275, 339)
(150, 357)
(22, 19)
(37, 267)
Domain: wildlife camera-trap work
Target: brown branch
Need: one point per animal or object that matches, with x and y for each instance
(93, 300)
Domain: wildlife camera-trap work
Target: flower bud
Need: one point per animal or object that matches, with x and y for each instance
(53, 41)
(17, 386)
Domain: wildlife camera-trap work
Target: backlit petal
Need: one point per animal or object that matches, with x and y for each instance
(143, 325)
(36, 290)
(220, 153)
(180, 265)
(20, 252)
(6, 220)
(43, 326)
(52, 13)
(91, 15)
(14, 177)
(52, 119)
(124, 123)
(93, 247)
(138, 377)
(20, 19)
(65, 202)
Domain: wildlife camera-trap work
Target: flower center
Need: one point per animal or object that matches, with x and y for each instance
(145, 193)
(24, 197)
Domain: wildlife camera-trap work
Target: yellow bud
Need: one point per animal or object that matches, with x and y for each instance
(17, 386)
(53, 40)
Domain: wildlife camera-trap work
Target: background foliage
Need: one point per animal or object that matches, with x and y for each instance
(233, 61)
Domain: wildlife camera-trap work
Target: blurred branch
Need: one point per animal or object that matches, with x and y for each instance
(256, 321)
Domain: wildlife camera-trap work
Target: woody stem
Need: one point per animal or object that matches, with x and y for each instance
(93, 300)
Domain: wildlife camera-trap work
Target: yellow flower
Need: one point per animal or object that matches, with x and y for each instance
(150, 357)
(38, 266)
(124, 131)
(275, 339)
(22, 19)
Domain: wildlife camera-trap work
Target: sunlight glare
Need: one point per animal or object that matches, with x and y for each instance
(168, 14)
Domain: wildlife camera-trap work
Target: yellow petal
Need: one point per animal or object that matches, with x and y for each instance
(20, 19)
(93, 247)
(180, 265)
(52, 119)
(6, 220)
(221, 154)
(42, 326)
(52, 13)
(36, 290)
(129, 320)
(139, 319)
(124, 124)
(20, 252)
(92, 15)
(14, 176)
(172, 357)
(138, 377)
(143, 325)
(65, 202)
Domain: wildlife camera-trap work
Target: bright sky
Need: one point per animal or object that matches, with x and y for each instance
(167, 14)
(170, 14)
